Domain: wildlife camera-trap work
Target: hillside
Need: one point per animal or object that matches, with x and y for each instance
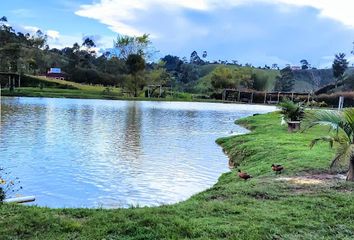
(204, 85)
(305, 80)
(312, 79)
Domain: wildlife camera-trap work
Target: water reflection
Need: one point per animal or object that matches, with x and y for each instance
(91, 153)
(132, 132)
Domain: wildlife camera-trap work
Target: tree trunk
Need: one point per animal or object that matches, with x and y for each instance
(350, 174)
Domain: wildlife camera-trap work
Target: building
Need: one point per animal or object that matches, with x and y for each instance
(56, 73)
(295, 68)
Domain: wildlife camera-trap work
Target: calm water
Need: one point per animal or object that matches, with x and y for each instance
(97, 153)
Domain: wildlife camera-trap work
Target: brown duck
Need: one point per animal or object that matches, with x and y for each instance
(243, 175)
(277, 168)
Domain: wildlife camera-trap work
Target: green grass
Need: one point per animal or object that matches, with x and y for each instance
(262, 208)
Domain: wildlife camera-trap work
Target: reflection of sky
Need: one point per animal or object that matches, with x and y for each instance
(94, 153)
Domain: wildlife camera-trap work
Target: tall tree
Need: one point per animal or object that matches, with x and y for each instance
(140, 45)
(304, 64)
(135, 65)
(195, 59)
(340, 64)
(172, 63)
(285, 82)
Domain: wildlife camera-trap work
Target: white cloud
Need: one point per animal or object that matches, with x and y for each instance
(120, 15)
(53, 34)
(28, 29)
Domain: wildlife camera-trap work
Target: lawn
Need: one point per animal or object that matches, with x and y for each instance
(304, 202)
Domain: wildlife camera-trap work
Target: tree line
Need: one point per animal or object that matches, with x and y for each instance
(128, 65)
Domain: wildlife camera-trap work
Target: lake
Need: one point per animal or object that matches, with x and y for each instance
(101, 153)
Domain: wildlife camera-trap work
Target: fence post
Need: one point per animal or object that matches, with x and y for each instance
(340, 103)
(278, 97)
(265, 97)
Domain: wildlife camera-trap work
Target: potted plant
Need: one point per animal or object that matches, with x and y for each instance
(293, 113)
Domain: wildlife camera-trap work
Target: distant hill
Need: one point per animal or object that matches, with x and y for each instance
(305, 80)
(203, 85)
(312, 79)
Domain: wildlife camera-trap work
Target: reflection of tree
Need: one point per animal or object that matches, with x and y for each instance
(132, 131)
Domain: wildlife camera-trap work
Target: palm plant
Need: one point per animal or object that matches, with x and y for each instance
(342, 123)
(292, 111)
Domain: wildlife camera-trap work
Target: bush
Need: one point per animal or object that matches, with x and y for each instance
(292, 111)
(7, 186)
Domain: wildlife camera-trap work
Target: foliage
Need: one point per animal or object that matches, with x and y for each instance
(340, 64)
(195, 59)
(342, 123)
(304, 64)
(127, 45)
(159, 75)
(292, 111)
(285, 82)
(135, 65)
(260, 81)
(223, 77)
(8, 186)
(188, 76)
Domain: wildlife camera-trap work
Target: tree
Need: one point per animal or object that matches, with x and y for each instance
(260, 81)
(89, 43)
(158, 74)
(342, 124)
(304, 64)
(3, 19)
(172, 63)
(135, 65)
(222, 77)
(127, 46)
(340, 64)
(195, 59)
(285, 82)
(188, 73)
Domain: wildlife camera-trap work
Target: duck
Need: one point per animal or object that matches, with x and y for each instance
(277, 168)
(282, 122)
(243, 175)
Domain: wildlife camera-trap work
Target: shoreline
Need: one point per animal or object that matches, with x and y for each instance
(91, 97)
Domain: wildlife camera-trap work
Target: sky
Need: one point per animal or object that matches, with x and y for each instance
(249, 31)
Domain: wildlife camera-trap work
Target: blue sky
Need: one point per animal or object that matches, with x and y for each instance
(256, 31)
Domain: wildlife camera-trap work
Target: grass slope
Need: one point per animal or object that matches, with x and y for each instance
(61, 88)
(262, 208)
(203, 84)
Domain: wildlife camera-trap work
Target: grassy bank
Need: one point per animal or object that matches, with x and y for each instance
(299, 204)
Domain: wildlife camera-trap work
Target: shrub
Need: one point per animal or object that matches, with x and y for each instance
(7, 186)
(292, 111)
